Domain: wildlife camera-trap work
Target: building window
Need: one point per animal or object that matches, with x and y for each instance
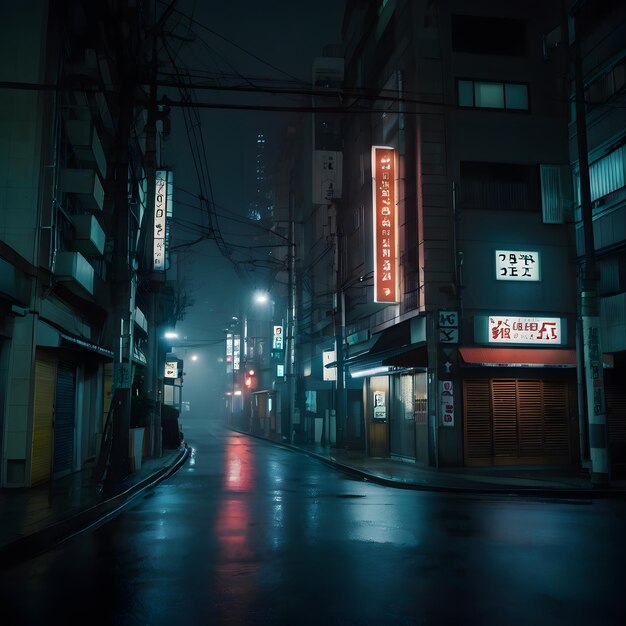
(606, 175)
(502, 186)
(552, 197)
(606, 85)
(474, 34)
(480, 94)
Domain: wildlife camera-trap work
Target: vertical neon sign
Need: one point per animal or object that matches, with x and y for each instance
(385, 224)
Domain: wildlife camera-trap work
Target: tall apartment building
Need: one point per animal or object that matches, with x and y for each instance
(72, 199)
(459, 268)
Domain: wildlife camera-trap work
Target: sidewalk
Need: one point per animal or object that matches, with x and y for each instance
(33, 520)
(555, 481)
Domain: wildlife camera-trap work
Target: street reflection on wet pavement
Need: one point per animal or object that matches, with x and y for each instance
(248, 532)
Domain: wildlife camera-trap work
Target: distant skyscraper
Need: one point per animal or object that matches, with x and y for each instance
(261, 207)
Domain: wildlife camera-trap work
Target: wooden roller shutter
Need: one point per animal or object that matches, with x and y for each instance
(504, 404)
(510, 421)
(555, 420)
(477, 412)
(530, 415)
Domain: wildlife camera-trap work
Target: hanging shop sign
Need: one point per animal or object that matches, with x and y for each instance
(277, 340)
(327, 172)
(446, 402)
(236, 352)
(520, 265)
(328, 357)
(385, 224)
(229, 353)
(171, 369)
(163, 200)
(532, 330)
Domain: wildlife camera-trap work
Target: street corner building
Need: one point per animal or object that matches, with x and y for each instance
(460, 291)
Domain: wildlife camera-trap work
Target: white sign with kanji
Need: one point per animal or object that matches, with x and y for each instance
(520, 265)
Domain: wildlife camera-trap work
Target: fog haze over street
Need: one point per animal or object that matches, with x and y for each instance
(240, 44)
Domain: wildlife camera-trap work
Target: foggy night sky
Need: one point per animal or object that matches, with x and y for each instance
(249, 42)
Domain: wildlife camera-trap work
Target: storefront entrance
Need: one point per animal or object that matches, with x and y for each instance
(516, 421)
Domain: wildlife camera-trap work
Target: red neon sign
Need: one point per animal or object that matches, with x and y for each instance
(385, 224)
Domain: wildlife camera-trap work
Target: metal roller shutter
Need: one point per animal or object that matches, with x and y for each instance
(43, 415)
(64, 417)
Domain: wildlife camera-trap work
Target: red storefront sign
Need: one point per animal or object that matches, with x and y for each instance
(385, 224)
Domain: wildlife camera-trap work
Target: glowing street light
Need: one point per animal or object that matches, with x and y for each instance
(261, 297)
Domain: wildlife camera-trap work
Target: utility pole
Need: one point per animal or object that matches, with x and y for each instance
(340, 330)
(291, 313)
(589, 302)
(123, 280)
(155, 279)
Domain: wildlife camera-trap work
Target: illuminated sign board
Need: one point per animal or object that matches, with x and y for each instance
(329, 373)
(163, 191)
(535, 330)
(385, 224)
(229, 347)
(229, 353)
(171, 369)
(277, 340)
(522, 265)
(236, 352)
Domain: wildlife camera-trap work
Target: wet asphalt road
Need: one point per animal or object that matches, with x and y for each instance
(250, 533)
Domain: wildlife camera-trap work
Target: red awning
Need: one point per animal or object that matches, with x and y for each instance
(522, 357)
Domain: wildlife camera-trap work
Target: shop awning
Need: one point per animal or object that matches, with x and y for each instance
(402, 345)
(522, 357)
(49, 336)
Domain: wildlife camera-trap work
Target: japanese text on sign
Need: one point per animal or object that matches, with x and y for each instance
(517, 265)
(163, 202)
(542, 330)
(277, 341)
(446, 402)
(385, 236)
(449, 326)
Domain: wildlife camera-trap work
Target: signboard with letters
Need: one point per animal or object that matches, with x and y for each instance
(327, 171)
(171, 369)
(448, 326)
(380, 409)
(521, 265)
(385, 224)
(277, 340)
(533, 330)
(163, 199)
(446, 402)
(328, 373)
